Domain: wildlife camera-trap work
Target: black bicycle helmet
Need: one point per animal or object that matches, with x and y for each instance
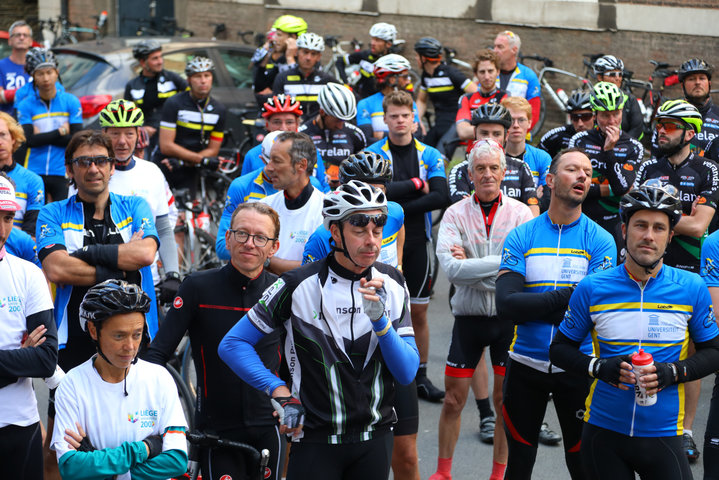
(579, 100)
(37, 58)
(652, 195)
(368, 167)
(428, 47)
(695, 65)
(144, 48)
(492, 113)
(112, 297)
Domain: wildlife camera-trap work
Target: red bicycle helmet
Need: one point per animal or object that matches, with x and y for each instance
(281, 104)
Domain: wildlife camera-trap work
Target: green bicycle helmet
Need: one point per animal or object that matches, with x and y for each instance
(681, 110)
(606, 97)
(121, 113)
(290, 24)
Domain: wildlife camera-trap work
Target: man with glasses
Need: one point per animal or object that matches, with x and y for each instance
(581, 119)
(609, 68)
(12, 68)
(207, 306)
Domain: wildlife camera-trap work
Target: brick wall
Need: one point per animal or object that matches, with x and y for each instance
(12, 10)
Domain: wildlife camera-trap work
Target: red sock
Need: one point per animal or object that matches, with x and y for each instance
(444, 466)
(497, 471)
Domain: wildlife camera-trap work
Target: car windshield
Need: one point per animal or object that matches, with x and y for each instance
(238, 66)
(75, 70)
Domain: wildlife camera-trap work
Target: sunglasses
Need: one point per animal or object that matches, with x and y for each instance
(100, 161)
(668, 126)
(585, 117)
(613, 74)
(363, 219)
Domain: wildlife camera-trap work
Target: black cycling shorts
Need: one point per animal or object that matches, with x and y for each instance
(608, 454)
(219, 463)
(416, 270)
(470, 334)
(406, 407)
(55, 187)
(21, 452)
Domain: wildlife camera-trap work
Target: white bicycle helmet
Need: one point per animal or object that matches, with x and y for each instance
(311, 41)
(267, 143)
(607, 63)
(383, 31)
(199, 65)
(390, 64)
(352, 197)
(338, 101)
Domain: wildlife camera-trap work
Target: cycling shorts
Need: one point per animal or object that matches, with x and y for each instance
(470, 334)
(417, 270)
(406, 407)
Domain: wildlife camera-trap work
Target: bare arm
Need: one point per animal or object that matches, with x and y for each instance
(280, 265)
(400, 245)
(465, 131)
(470, 88)
(60, 267)
(695, 224)
(169, 148)
(422, 103)
(136, 254)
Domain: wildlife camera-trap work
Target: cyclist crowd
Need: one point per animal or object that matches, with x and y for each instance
(586, 266)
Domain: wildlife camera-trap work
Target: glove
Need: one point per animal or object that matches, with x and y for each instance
(169, 286)
(607, 369)
(154, 445)
(666, 374)
(85, 445)
(375, 310)
(291, 411)
(210, 163)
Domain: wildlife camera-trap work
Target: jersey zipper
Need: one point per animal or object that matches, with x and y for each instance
(639, 337)
(551, 335)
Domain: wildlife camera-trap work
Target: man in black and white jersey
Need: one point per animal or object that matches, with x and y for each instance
(331, 131)
(581, 119)
(350, 315)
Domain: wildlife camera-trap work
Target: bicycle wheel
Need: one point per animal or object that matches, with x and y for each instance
(542, 116)
(187, 400)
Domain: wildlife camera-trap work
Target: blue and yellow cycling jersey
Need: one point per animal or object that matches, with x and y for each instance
(318, 245)
(370, 112)
(22, 245)
(624, 316)
(551, 256)
(29, 192)
(538, 161)
(709, 268)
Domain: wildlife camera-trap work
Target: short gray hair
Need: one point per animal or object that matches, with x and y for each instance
(302, 147)
(512, 38)
(486, 147)
(19, 23)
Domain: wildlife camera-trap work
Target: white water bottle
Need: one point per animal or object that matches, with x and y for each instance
(563, 96)
(641, 360)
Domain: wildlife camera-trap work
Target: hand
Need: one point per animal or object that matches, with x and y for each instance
(34, 338)
(656, 377)
(612, 134)
(170, 163)
(694, 205)
(291, 414)
(169, 286)
(78, 440)
(291, 50)
(616, 371)
(137, 236)
(374, 297)
(154, 445)
(458, 252)
(540, 191)
(210, 163)
(150, 130)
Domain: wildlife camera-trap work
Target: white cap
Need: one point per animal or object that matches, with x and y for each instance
(7, 196)
(267, 145)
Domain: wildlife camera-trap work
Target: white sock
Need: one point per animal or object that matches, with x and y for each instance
(688, 432)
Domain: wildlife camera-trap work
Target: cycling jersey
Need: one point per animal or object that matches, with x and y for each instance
(557, 139)
(444, 86)
(195, 122)
(632, 119)
(522, 82)
(469, 102)
(518, 182)
(318, 306)
(710, 130)
(320, 242)
(116, 423)
(623, 316)
(300, 217)
(616, 168)
(465, 224)
(550, 257)
(12, 77)
(252, 162)
(264, 75)
(425, 163)
(150, 93)
(366, 85)
(334, 145)
(303, 88)
(22, 245)
(207, 305)
(43, 118)
(538, 161)
(370, 112)
(695, 178)
(65, 225)
(29, 194)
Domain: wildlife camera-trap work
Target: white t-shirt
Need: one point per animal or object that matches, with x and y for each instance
(296, 226)
(23, 292)
(109, 417)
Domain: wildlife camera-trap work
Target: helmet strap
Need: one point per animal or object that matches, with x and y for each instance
(675, 149)
(343, 250)
(647, 267)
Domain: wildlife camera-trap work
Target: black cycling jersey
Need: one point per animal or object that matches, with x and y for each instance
(150, 93)
(265, 73)
(335, 145)
(444, 86)
(366, 85)
(632, 120)
(518, 182)
(207, 305)
(616, 168)
(695, 177)
(557, 139)
(304, 88)
(710, 130)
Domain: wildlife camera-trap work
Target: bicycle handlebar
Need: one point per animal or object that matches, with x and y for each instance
(209, 441)
(547, 62)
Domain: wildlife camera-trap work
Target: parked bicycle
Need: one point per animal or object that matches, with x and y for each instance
(60, 31)
(336, 46)
(204, 440)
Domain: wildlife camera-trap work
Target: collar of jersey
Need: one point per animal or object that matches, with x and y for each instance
(342, 272)
(129, 165)
(555, 226)
(236, 277)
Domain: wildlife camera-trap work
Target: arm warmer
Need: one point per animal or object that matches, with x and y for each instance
(401, 188)
(100, 464)
(29, 221)
(564, 353)
(437, 198)
(238, 352)
(168, 247)
(702, 363)
(399, 353)
(168, 464)
(520, 306)
(34, 362)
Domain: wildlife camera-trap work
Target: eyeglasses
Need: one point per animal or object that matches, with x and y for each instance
(613, 74)
(363, 219)
(258, 240)
(100, 161)
(668, 126)
(27, 35)
(520, 120)
(584, 117)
